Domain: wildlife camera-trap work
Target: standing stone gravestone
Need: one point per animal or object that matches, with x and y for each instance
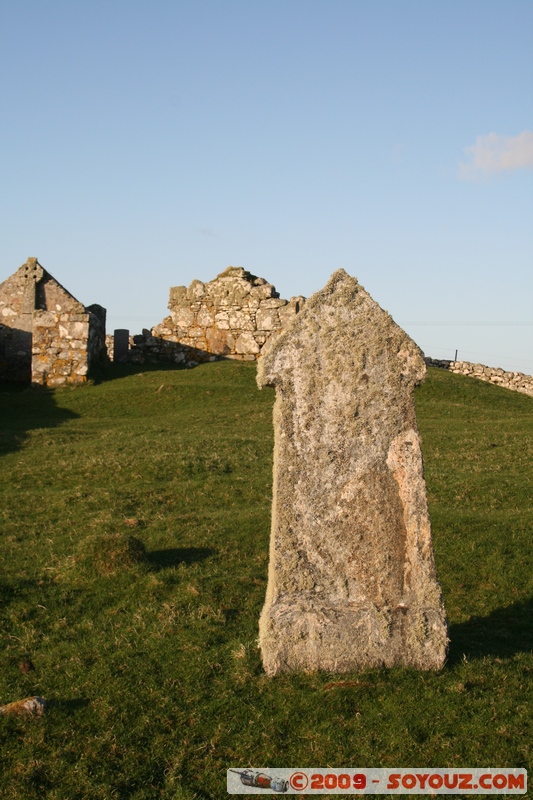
(121, 345)
(352, 579)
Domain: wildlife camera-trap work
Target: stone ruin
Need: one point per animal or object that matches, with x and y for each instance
(351, 580)
(232, 316)
(46, 335)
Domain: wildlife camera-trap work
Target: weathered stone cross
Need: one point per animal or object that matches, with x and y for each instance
(352, 580)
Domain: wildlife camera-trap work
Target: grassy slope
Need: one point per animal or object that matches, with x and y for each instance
(153, 675)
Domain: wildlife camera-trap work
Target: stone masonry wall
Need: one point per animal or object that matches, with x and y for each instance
(232, 316)
(46, 335)
(516, 381)
(66, 345)
(17, 304)
(146, 348)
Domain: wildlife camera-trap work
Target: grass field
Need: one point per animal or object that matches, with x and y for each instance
(149, 662)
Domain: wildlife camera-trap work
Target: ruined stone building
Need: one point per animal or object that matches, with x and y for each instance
(232, 316)
(46, 335)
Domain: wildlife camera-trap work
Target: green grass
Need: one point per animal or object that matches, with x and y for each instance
(148, 659)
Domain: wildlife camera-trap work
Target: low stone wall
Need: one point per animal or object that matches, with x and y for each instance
(145, 348)
(516, 381)
(66, 344)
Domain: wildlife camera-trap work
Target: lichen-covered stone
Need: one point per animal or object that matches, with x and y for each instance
(246, 344)
(30, 706)
(352, 580)
(268, 319)
(220, 342)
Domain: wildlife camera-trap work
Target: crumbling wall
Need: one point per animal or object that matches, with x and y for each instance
(46, 335)
(232, 316)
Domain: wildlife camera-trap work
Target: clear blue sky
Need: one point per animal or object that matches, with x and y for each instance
(145, 144)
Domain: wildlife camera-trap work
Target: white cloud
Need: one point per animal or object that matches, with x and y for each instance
(496, 153)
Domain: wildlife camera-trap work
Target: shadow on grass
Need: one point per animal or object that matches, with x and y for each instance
(112, 372)
(162, 559)
(503, 633)
(67, 706)
(23, 409)
(12, 589)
